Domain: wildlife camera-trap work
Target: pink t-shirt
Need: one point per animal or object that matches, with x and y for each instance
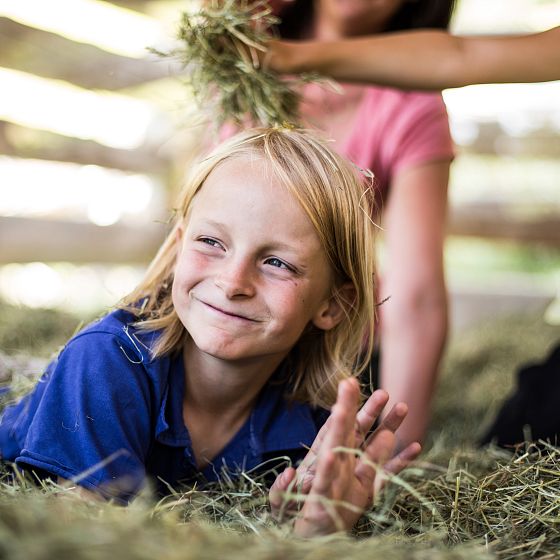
(380, 129)
(386, 131)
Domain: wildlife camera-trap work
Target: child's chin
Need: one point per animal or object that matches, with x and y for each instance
(222, 350)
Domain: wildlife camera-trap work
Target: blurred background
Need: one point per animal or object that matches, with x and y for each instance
(95, 133)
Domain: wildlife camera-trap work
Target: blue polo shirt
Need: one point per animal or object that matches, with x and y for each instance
(107, 416)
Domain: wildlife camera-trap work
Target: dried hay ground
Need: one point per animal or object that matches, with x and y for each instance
(458, 502)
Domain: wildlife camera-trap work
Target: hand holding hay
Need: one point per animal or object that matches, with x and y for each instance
(339, 476)
(222, 45)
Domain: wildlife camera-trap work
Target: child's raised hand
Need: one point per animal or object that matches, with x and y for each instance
(339, 484)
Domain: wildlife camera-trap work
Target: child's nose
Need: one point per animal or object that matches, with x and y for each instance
(236, 278)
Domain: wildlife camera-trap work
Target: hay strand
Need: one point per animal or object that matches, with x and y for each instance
(219, 49)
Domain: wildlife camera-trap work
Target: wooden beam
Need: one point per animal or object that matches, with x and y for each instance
(49, 55)
(23, 142)
(543, 142)
(496, 221)
(34, 239)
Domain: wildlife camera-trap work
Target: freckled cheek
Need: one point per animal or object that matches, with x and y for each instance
(291, 301)
(192, 268)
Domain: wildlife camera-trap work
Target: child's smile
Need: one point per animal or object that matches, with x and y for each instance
(231, 314)
(251, 273)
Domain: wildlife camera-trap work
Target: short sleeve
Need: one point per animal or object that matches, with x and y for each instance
(396, 129)
(93, 423)
(423, 132)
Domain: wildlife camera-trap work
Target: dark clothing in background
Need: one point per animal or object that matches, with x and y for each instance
(534, 408)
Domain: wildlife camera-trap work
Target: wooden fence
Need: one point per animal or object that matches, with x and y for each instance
(48, 55)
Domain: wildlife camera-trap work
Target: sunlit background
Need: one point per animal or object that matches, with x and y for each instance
(95, 132)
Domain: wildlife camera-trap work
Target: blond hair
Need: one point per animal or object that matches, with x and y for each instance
(332, 193)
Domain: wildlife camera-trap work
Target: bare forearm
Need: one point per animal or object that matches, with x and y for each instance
(412, 346)
(425, 59)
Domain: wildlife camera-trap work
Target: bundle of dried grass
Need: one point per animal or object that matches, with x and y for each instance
(510, 503)
(53, 523)
(507, 505)
(483, 504)
(221, 48)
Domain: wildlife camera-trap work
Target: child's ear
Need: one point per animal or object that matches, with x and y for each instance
(334, 309)
(179, 232)
(178, 244)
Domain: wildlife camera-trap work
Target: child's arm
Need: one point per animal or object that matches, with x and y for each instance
(92, 425)
(340, 485)
(424, 59)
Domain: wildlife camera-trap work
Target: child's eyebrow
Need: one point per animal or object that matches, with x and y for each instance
(210, 223)
(281, 246)
(214, 223)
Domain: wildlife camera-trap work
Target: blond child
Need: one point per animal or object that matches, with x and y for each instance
(246, 330)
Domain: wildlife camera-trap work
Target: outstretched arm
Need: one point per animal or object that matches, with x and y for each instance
(424, 59)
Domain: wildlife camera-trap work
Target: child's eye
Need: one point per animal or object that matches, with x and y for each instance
(210, 241)
(273, 261)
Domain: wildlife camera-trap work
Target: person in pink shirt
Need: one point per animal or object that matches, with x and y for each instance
(404, 139)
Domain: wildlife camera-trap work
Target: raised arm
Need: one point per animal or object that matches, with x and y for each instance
(425, 59)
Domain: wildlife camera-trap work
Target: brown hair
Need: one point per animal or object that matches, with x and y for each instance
(297, 15)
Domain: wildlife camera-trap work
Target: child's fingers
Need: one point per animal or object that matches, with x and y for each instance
(339, 434)
(342, 423)
(377, 453)
(327, 466)
(335, 471)
(314, 517)
(392, 421)
(397, 464)
(309, 460)
(344, 414)
(369, 413)
(348, 396)
(403, 459)
(395, 418)
(276, 494)
(341, 429)
(304, 479)
(348, 400)
(327, 471)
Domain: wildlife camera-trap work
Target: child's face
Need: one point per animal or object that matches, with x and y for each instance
(251, 273)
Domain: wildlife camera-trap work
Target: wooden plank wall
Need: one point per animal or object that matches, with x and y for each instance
(27, 239)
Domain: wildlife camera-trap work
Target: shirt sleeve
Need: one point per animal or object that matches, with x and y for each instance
(93, 423)
(421, 132)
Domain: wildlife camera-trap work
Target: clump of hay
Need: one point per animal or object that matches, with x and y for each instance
(37, 332)
(221, 48)
(477, 505)
(510, 503)
(505, 504)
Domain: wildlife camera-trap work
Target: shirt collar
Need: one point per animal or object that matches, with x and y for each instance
(274, 425)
